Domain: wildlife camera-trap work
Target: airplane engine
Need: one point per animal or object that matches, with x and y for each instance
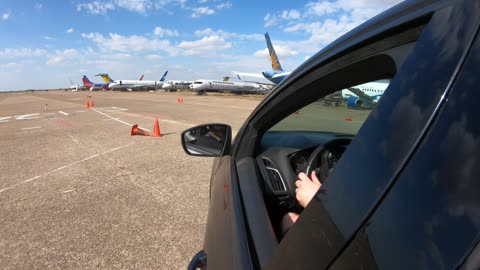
(268, 74)
(354, 102)
(359, 103)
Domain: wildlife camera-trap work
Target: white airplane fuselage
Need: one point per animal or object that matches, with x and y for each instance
(373, 89)
(134, 84)
(203, 85)
(176, 85)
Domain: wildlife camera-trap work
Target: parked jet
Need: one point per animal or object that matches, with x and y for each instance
(75, 87)
(277, 74)
(364, 95)
(132, 84)
(94, 86)
(213, 85)
(174, 85)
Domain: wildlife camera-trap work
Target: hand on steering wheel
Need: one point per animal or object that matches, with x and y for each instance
(306, 188)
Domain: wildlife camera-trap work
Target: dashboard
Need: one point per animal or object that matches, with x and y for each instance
(286, 156)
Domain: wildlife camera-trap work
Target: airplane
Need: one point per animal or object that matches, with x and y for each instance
(213, 85)
(364, 95)
(94, 86)
(141, 78)
(132, 84)
(277, 74)
(176, 85)
(264, 87)
(75, 87)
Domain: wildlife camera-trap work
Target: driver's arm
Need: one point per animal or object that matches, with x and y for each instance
(306, 189)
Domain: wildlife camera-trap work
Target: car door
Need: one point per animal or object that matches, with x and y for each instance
(430, 218)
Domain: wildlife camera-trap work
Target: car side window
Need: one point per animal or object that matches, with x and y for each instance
(431, 215)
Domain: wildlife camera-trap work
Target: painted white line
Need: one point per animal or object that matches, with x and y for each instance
(125, 123)
(4, 119)
(113, 109)
(30, 128)
(64, 113)
(31, 179)
(27, 116)
(176, 122)
(81, 111)
(107, 119)
(66, 166)
(74, 99)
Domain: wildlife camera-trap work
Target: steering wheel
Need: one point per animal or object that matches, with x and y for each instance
(321, 153)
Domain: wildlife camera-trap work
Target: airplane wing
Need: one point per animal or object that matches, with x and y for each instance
(256, 75)
(260, 83)
(361, 94)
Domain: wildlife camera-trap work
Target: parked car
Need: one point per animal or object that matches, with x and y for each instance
(401, 180)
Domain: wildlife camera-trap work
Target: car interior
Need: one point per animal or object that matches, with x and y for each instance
(312, 138)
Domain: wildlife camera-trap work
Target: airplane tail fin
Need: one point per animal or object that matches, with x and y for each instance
(141, 77)
(105, 77)
(164, 76)
(86, 82)
(226, 78)
(238, 76)
(273, 56)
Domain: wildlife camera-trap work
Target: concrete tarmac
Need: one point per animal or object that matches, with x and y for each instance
(78, 192)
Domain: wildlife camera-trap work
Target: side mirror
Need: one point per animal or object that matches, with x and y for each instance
(209, 140)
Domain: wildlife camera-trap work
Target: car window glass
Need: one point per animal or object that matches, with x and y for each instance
(431, 216)
(383, 144)
(342, 112)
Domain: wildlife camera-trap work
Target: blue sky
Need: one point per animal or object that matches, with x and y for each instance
(45, 44)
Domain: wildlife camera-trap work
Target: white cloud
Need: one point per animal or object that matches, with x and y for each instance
(290, 14)
(48, 38)
(129, 44)
(70, 30)
(96, 7)
(154, 57)
(270, 20)
(6, 15)
(11, 65)
(161, 32)
(224, 5)
(22, 52)
(38, 6)
(282, 51)
(61, 57)
(321, 8)
(225, 35)
(139, 6)
(325, 21)
(205, 46)
(197, 12)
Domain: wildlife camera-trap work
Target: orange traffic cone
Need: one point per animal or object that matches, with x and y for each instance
(181, 100)
(156, 129)
(137, 131)
(93, 104)
(87, 105)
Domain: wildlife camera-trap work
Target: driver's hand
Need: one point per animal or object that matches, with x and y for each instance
(306, 188)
